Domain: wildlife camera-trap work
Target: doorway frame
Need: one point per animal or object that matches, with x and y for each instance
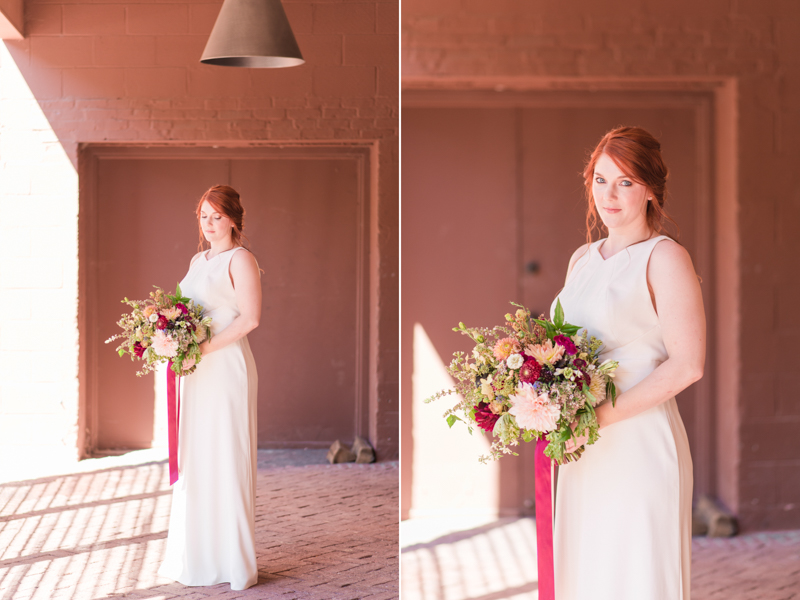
(365, 155)
(713, 100)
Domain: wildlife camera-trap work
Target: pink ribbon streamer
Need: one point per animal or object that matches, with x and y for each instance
(544, 522)
(173, 412)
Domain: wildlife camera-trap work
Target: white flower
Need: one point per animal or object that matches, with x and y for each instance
(515, 361)
(608, 365)
(154, 317)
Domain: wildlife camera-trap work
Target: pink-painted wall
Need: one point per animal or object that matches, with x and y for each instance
(751, 50)
(12, 19)
(127, 71)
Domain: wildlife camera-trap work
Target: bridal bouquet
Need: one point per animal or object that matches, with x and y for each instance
(166, 327)
(531, 379)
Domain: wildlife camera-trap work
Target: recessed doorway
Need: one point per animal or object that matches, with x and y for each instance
(307, 220)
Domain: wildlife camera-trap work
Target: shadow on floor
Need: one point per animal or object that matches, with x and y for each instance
(322, 532)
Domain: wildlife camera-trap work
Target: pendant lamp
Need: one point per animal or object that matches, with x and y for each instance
(252, 33)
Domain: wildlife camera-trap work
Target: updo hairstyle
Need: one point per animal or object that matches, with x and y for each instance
(638, 155)
(225, 201)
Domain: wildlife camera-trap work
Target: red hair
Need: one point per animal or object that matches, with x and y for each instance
(638, 155)
(225, 200)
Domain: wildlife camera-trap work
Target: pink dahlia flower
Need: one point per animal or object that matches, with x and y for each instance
(565, 342)
(505, 348)
(164, 345)
(532, 410)
(172, 313)
(598, 389)
(546, 352)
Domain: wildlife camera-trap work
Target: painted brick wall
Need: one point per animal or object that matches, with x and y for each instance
(759, 45)
(130, 71)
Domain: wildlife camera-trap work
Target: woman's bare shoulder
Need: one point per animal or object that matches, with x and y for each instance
(670, 268)
(579, 252)
(669, 255)
(194, 258)
(576, 256)
(243, 259)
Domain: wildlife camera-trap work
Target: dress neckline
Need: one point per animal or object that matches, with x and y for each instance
(603, 241)
(205, 254)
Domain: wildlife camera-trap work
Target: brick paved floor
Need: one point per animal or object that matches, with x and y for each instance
(322, 532)
(496, 560)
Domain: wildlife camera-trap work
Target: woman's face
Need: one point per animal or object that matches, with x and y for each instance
(619, 200)
(216, 226)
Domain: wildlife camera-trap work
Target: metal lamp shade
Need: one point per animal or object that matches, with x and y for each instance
(252, 33)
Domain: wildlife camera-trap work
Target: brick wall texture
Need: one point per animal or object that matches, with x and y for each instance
(758, 44)
(130, 71)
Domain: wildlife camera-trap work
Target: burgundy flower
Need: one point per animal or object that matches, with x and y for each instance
(162, 322)
(546, 376)
(138, 349)
(529, 371)
(566, 343)
(579, 362)
(583, 378)
(485, 417)
(182, 308)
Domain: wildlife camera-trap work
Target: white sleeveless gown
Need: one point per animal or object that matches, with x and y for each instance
(211, 535)
(623, 510)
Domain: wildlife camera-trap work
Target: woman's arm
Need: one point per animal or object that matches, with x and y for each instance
(679, 303)
(247, 285)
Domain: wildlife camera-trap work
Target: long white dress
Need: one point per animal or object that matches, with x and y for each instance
(211, 535)
(623, 510)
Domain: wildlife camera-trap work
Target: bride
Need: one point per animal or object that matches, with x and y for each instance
(623, 511)
(212, 523)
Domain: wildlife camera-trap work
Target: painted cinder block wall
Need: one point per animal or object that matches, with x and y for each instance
(130, 71)
(757, 46)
